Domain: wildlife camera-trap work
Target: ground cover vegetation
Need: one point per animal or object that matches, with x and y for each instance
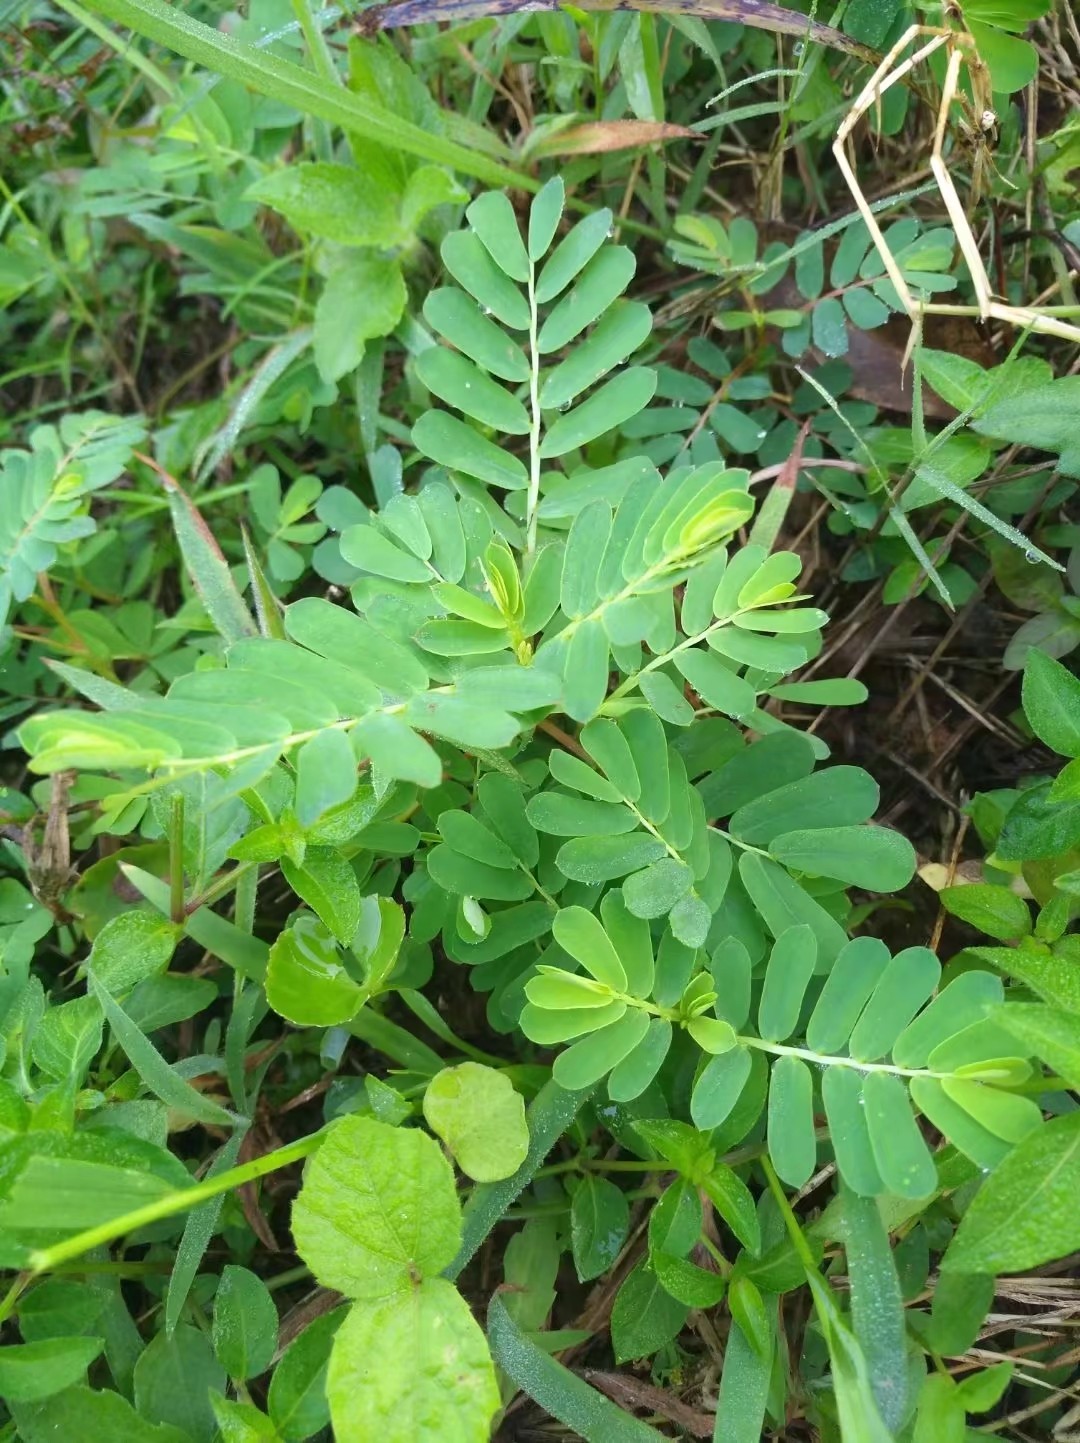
(540, 810)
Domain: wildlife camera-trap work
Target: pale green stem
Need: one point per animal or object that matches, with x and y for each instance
(316, 42)
(42, 1260)
(535, 421)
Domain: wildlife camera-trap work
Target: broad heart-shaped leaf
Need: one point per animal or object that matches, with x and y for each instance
(173, 1379)
(131, 947)
(363, 298)
(377, 1210)
(1052, 703)
(413, 1367)
(1025, 1212)
(1037, 827)
(480, 1117)
(686, 1282)
(306, 982)
(1056, 979)
(995, 910)
(242, 1422)
(1013, 61)
(334, 202)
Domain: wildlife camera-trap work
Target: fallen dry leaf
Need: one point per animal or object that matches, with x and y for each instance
(598, 136)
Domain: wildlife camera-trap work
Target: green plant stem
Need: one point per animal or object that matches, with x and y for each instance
(42, 1260)
(791, 1222)
(316, 42)
(737, 842)
(176, 860)
(220, 887)
(532, 504)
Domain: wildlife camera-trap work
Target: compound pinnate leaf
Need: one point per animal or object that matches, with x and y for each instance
(619, 333)
(545, 213)
(469, 263)
(719, 1087)
(616, 401)
(378, 1209)
(588, 1060)
(601, 282)
(480, 1117)
(900, 1151)
(492, 218)
(572, 253)
(792, 1145)
(458, 381)
(457, 446)
(413, 1367)
(791, 965)
(630, 1077)
(460, 320)
(654, 891)
(874, 858)
(581, 934)
(910, 979)
(841, 1092)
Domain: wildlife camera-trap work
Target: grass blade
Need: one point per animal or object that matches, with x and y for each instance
(305, 91)
(207, 567)
(558, 1391)
(877, 1307)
